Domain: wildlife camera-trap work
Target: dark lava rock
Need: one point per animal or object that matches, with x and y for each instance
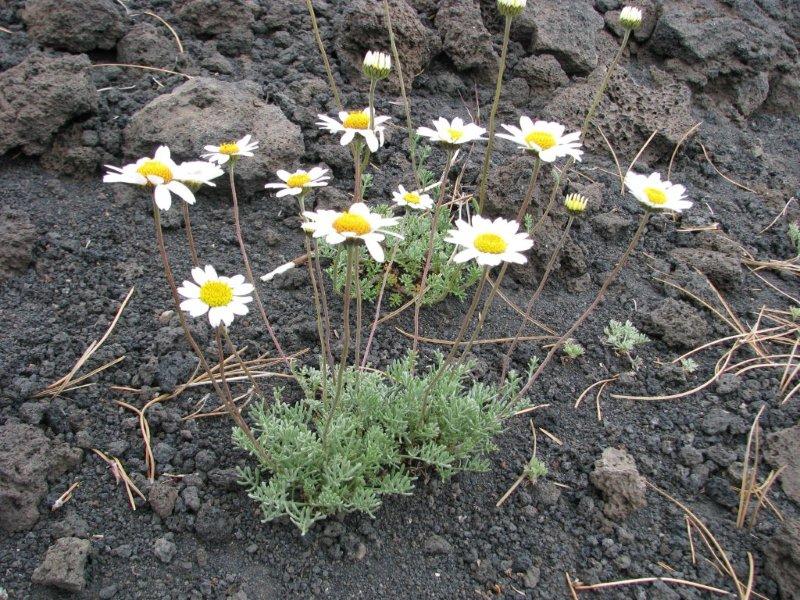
(783, 450)
(212, 523)
(615, 474)
(162, 498)
(718, 420)
(362, 24)
(722, 269)
(611, 224)
(64, 565)
(17, 237)
(27, 459)
(567, 29)
(165, 550)
(206, 111)
(782, 560)
(228, 22)
(720, 491)
(543, 73)
(437, 545)
(146, 44)
(465, 38)
(39, 96)
(32, 412)
(74, 25)
(679, 324)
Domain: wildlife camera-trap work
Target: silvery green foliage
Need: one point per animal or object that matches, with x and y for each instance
(379, 438)
(623, 337)
(794, 236)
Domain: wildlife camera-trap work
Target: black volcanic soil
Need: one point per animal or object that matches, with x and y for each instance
(89, 243)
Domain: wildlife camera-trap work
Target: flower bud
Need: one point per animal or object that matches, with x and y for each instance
(511, 8)
(630, 17)
(377, 65)
(575, 203)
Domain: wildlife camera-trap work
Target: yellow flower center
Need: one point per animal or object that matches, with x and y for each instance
(455, 134)
(655, 195)
(348, 222)
(229, 148)
(542, 139)
(356, 119)
(298, 180)
(490, 243)
(412, 198)
(216, 293)
(155, 168)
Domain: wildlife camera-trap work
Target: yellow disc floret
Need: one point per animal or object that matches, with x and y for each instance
(216, 293)
(229, 148)
(656, 195)
(351, 223)
(541, 139)
(155, 168)
(455, 134)
(575, 203)
(356, 119)
(298, 180)
(412, 198)
(490, 243)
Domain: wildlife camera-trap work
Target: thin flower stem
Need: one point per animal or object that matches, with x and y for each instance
(189, 235)
(598, 95)
(237, 418)
(348, 283)
(372, 85)
(232, 349)
(326, 316)
(454, 348)
(359, 309)
(523, 210)
(230, 405)
(609, 280)
(407, 106)
(529, 309)
(358, 166)
(324, 55)
(487, 306)
(429, 253)
(378, 303)
(249, 271)
(487, 157)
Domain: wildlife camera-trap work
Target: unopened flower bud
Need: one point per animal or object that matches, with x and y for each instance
(575, 203)
(377, 65)
(511, 8)
(630, 17)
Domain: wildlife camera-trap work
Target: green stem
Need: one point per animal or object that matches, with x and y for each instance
(189, 235)
(357, 353)
(321, 46)
(598, 95)
(487, 306)
(523, 210)
(487, 157)
(569, 333)
(352, 248)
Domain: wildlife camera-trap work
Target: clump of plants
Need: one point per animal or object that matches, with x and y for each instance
(624, 337)
(359, 432)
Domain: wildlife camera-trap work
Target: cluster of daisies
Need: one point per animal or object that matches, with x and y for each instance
(486, 241)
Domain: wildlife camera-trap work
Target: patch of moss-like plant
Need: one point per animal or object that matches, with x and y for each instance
(384, 430)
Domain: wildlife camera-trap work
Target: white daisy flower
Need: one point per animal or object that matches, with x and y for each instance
(197, 173)
(159, 172)
(224, 152)
(416, 199)
(452, 133)
(630, 17)
(357, 223)
(377, 65)
(299, 182)
(656, 194)
(511, 8)
(356, 122)
(221, 297)
(544, 138)
(489, 242)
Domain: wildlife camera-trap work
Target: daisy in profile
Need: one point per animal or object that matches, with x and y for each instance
(221, 297)
(544, 138)
(357, 223)
(353, 123)
(230, 150)
(489, 242)
(416, 199)
(299, 182)
(452, 133)
(160, 172)
(197, 173)
(656, 194)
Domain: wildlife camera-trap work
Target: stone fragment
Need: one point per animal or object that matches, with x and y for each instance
(783, 450)
(615, 475)
(465, 38)
(17, 237)
(74, 25)
(64, 565)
